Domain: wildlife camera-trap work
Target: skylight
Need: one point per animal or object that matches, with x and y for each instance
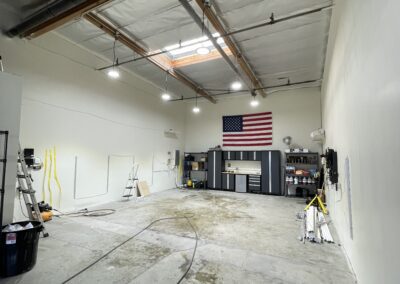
(189, 47)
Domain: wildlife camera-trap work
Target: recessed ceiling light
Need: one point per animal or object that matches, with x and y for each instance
(236, 85)
(113, 73)
(166, 96)
(202, 50)
(196, 109)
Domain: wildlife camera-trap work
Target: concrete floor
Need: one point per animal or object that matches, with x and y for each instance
(244, 238)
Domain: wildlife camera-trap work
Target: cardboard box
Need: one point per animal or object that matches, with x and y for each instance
(195, 166)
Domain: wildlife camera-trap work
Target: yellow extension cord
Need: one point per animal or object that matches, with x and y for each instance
(44, 176)
(49, 168)
(56, 177)
(49, 178)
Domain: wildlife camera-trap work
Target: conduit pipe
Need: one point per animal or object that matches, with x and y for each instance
(227, 92)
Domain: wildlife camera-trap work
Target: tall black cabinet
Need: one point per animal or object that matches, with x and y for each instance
(214, 173)
(271, 172)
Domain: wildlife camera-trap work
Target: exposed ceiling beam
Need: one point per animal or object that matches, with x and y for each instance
(188, 7)
(160, 61)
(197, 58)
(244, 65)
(63, 18)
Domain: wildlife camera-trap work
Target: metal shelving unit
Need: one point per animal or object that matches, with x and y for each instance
(306, 161)
(195, 175)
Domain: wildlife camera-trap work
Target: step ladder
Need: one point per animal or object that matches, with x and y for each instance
(25, 188)
(132, 183)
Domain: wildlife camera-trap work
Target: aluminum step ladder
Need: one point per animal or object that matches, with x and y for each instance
(25, 188)
(132, 183)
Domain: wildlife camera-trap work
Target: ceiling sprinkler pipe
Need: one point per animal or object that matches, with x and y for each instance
(43, 15)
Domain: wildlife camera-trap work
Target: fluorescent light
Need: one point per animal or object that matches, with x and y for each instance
(113, 73)
(202, 50)
(196, 109)
(166, 96)
(236, 85)
(254, 102)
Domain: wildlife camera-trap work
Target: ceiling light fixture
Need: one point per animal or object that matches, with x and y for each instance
(254, 102)
(166, 96)
(196, 109)
(202, 50)
(114, 73)
(237, 85)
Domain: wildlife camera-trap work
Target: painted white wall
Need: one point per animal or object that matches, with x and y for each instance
(10, 112)
(295, 113)
(361, 99)
(89, 117)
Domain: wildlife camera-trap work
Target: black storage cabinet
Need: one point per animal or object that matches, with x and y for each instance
(254, 155)
(214, 173)
(241, 155)
(228, 182)
(254, 184)
(229, 155)
(271, 172)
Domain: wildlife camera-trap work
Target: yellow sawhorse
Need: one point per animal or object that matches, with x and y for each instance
(320, 203)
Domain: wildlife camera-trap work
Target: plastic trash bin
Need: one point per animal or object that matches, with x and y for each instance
(18, 250)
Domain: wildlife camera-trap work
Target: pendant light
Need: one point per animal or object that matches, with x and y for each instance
(254, 102)
(236, 85)
(196, 109)
(113, 72)
(166, 96)
(202, 50)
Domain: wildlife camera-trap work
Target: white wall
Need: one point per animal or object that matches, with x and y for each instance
(10, 112)
(294, 112)
(89, 117)
(361, 99)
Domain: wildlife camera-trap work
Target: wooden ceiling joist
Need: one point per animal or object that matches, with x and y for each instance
(63, 18)
(160, 61)
(244, 65)
(197, 58)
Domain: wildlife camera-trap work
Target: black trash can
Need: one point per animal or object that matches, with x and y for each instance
(18, 250)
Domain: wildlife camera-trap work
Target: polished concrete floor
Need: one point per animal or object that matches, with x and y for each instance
(243, 238)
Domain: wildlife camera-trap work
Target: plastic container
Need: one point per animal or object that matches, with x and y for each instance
(18, 250)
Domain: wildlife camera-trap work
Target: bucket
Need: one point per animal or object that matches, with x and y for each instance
(18, 250)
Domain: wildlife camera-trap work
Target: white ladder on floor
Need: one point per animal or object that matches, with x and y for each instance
(132, 183)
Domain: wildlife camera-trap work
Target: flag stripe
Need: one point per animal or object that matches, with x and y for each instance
(256, 124)
(258, 129)
(257, 119)
(250, 144)
(256, 114)
(249, 134)
(248, 140)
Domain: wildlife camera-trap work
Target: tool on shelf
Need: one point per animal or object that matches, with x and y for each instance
(25, 186)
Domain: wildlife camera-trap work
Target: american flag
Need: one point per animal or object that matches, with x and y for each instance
(247, 130)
